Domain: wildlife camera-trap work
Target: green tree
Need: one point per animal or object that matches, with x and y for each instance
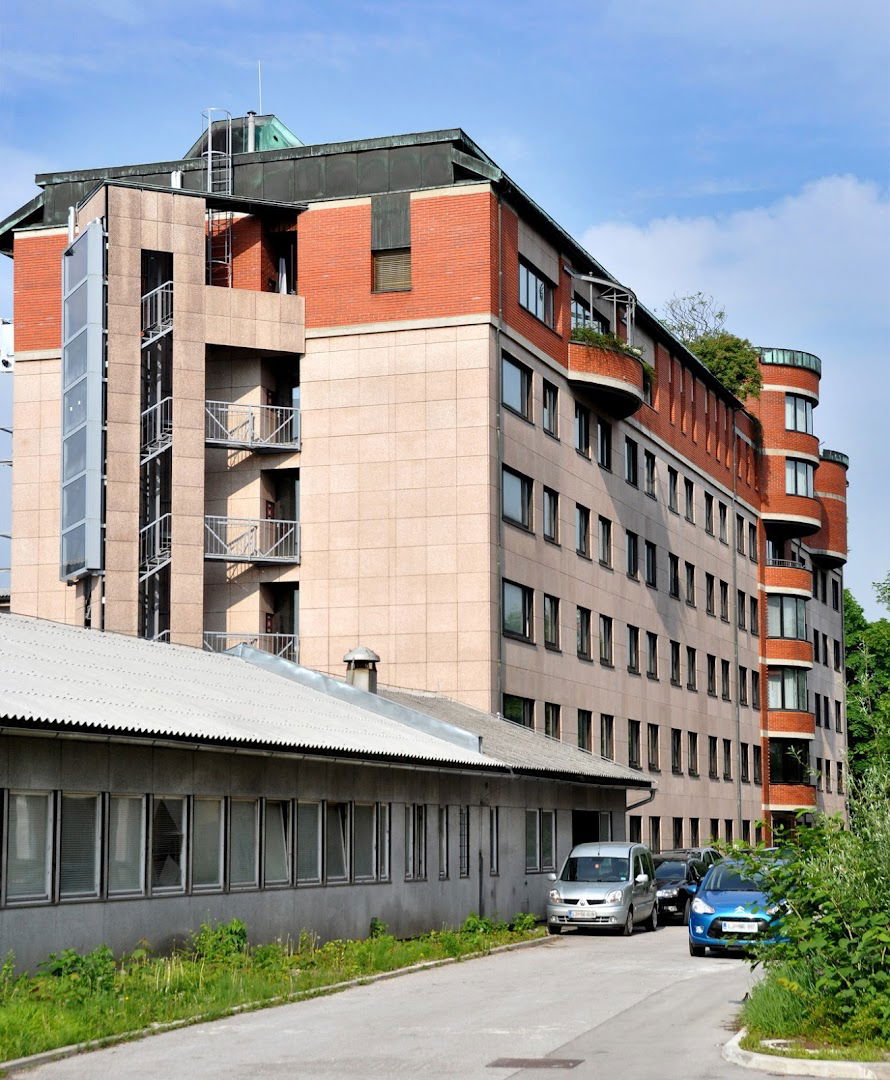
(882, 591)
(700, 323)
(867, 648)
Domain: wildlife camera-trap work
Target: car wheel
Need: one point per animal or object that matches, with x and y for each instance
(551, 929)
(697, 950)
(628, 927)
(652, 921)
(686, 913)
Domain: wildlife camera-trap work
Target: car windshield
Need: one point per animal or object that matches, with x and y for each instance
(725, 878)
(670, 868)
(594, 868)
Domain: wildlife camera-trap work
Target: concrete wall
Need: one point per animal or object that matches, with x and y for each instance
(407, 907)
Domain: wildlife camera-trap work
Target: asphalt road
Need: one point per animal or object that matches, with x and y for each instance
(636, 1008)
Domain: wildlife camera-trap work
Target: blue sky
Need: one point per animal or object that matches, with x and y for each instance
(740, 149)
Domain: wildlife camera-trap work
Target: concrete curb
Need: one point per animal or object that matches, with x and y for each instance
(789, 1066)
(46, 1056)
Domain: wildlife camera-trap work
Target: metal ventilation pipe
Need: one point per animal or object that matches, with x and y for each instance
(361, 669)
(251, 132)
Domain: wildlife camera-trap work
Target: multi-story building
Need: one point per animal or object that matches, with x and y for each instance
(315, 395)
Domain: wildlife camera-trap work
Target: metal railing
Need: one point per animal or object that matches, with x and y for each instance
(254, 427)
(154, 546)
(157, 313)
(286, 646)
(787, 564)
(251, 540)
(157, 429)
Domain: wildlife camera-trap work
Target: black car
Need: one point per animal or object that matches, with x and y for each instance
(677, 877)
(706, 855)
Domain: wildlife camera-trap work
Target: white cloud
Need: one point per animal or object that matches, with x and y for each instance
(810, 271)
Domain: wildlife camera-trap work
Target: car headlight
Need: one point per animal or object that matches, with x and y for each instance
(667, 893)
(615, 896)
(701, 908)
(554, 896)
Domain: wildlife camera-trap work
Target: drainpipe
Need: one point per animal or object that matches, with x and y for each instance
(653, 791)
(499, 682)
(251, 132)
(735, 636)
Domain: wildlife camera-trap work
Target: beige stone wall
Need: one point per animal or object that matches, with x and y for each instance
(397, 506)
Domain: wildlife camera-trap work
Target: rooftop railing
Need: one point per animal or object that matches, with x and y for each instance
(286, 646)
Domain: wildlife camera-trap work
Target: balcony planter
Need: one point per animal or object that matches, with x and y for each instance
(614, 375)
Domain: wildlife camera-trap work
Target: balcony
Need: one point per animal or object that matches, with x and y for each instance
(155, 546)
(287, 646)
(251, 540)
(787, 575)
(800, 796)
(614, 377)
(157, 313)
(261, 428)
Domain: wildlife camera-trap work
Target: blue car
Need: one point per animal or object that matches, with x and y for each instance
(730, 911)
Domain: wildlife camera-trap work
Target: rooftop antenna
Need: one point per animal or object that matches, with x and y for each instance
(259, 76)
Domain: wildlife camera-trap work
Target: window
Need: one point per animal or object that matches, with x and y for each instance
(79, 846)
(740, 534)
(463, 841)
(692, 753)
(715, 828)
(837, 655)
(415, 842)
(604, 443)
(167, 844)
(606, 640)
(517, 600)
(582, 316)
(207, 844)
(709, 594)
(651, 565)
(551, 515)
(582, 430)
(633, 744)
(712, 757)
(654, 835)
(727, 759)
(754, 615)
(651, 655)
(444, 829)
(633, 649)
(494, 840)
(585, 724)
(551, 720)
(582, 621)
(755, 689)
(535, 292)
(676, 750)
(741, 602)
(839, 766)
(752, 542)
(550, 411)
(798, 414)
(29, 844)
(712, 674)
(244, 841)
(757, 766)
(308, 842)
(605, 542)
(276, 841)
(631, 461)
(540, 840)
(582, 530)
(744, 763)
(724, 601)
(789, 762)
(838, 722)
(519, 710)
(690, 584)
(827, 775)
(126, 845)
(817, 709)
(677, 832)
(787, 689)
(746, 831)
(721, 519)
(673, 496)
(675, 663)
(725, 689)
(674, 575)
(649, 472)
(689, 499)
(691, 676)
(743, 685)
(391, 270)
(652, 747)
(607, 736)
(825, 649)
(517, 386)
(727, 827)
(694, 832)
(516, 498)
(799, 477)
(786, 617)
(633, 554)
(835, 594)
(709, 513)
(551, 622)
(635, 828)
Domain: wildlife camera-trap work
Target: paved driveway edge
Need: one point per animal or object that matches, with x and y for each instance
(786, 1066)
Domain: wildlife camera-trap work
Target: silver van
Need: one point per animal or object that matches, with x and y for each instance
(608, 884)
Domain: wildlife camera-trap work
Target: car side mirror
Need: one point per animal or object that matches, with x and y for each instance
(551, 877)
(641, 879)
(692, 887)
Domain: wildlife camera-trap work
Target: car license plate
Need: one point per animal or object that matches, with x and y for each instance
(740, 927)
(582, 913)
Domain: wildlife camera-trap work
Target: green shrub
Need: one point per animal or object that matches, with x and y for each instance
(81, 975)
(523, 922)
(586, 335)
(220, 941)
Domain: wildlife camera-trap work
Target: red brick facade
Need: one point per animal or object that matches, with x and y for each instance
(37, 290)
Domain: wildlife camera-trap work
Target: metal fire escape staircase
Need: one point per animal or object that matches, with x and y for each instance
(218, 176)
(156, 430)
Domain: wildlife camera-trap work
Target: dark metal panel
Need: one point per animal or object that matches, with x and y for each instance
(391, 221)
(194, 180)
(154, 179)
(278, 181)
(372, 172)
(60, 196)
(404, 168)
(247, 180)
(340, 179)
(309, 178)
(435, 164)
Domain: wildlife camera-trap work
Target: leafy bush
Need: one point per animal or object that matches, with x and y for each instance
(220, 941)
(82, 974)
(734, 360)
(523, 922)
(586, 335)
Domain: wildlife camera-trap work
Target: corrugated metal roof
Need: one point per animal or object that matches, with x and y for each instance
(521, 747)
